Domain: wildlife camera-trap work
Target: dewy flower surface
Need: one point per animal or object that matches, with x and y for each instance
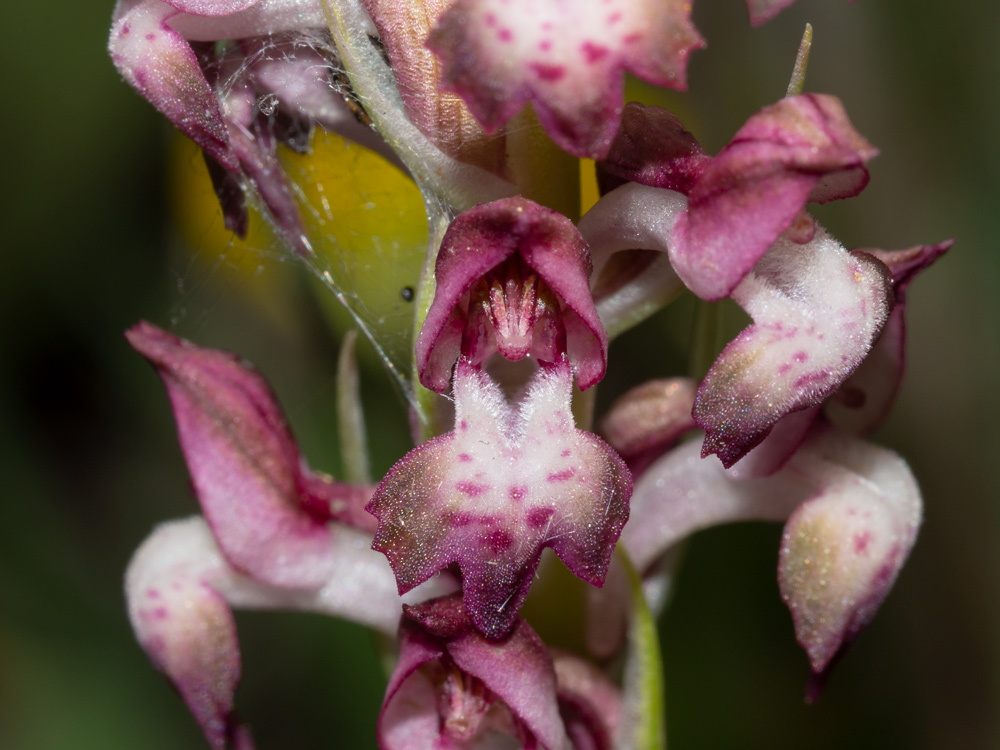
(484, 106)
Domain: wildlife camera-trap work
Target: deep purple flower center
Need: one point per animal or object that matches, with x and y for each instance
(522, 311)
(463, 700)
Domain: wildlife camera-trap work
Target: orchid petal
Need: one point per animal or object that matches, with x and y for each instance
(801, 149)
(566, 58)
(211, 7)
(482, 239)
(516, 671)
(257, 18)
(764, 10)
(683, 493)
(817, 310)
(865, 399)
(159, 64)
(589, 702)
(647, 420)
(180, 588)
(185, 625)
(266, 508)
(508, 482)
(653, 148)
(843, 548)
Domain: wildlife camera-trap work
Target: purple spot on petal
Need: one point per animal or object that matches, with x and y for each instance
(499, 540)
(812, 378)
(464, 458)
(538, 517)
(153, 593)
(545, 45)
(561, 476)
(614, 18)
(463, 425)
(517, 492)
(126, 28)
(458, 520)
(861, 541)
(801, 356)
(150, 37)
(160, 613)
(490, 19)
(505, 35)
(471, 488)
(549, 73)
(784, 369)
(565, 453)
(631, 38)
(592, 53)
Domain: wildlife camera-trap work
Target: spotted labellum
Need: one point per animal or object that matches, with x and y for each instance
(509, 481)
(485, 107)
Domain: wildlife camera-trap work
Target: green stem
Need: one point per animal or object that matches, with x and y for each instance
(427, 403)
(350, 415)
(798, 81)
(705, 338)
(643, 725)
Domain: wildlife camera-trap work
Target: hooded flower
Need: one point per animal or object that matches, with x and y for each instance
(802, 149)
(453, 688)
(852, 512)
(491, 495)
(742, 232)
(278, 535)
(513, 277)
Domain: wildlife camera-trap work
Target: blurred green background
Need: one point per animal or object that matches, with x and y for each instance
(90, 461)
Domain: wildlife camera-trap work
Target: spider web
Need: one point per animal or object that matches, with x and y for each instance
(364, 218)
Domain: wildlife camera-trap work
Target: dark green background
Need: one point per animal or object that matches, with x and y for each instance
(90, 464)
